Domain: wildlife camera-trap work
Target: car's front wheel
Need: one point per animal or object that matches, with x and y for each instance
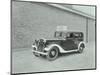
(52, 54)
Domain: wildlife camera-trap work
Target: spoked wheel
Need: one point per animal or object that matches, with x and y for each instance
(81, 48)
(36, 54)
(52, 54)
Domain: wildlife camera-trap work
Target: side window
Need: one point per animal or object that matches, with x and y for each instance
(74, 35)
(58, 34)
(64, 35)
(81, 34)
(77, 35)
(67, 35)
(71, 35)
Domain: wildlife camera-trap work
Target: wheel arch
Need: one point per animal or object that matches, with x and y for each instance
(57, 48)
(80, 44)
(60, 49)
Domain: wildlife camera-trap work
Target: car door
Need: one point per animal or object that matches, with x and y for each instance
(69, 43)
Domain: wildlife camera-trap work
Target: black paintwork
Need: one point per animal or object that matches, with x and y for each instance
(68, 42)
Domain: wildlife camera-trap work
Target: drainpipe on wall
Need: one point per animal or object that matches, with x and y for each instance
(87, 30)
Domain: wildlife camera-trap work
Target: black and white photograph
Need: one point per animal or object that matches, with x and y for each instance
(52, 37)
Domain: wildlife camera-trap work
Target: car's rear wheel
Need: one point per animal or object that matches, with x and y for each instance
(52, 54)
(81, 48)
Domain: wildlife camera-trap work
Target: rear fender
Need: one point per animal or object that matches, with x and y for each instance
(80, 44)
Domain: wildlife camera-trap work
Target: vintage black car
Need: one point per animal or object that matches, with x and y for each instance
(63, 42)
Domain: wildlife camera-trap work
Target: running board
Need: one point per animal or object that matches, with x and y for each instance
(69, 51)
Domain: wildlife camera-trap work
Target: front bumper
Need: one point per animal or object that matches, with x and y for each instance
(43, 53)
(39, 52)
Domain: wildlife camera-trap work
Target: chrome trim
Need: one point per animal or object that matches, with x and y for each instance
(39, 52)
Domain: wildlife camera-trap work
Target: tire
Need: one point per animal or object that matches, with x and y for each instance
(81, 48)
(52, 54)
(36, 54)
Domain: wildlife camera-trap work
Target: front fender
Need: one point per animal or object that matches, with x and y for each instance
(61, 50)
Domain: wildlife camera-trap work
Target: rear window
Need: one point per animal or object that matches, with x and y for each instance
(77, 35)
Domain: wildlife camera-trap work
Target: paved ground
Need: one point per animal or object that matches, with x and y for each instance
(24, 61)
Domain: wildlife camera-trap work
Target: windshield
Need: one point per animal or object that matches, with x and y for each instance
(60, 34)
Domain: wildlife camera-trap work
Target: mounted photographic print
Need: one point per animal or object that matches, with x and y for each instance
(52, 37)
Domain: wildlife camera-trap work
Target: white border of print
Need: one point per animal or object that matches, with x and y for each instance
(5, 37)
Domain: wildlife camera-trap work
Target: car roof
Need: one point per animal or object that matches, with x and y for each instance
(74, 32)
(69, 31)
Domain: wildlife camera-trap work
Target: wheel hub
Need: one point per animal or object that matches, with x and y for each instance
(53, 53)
